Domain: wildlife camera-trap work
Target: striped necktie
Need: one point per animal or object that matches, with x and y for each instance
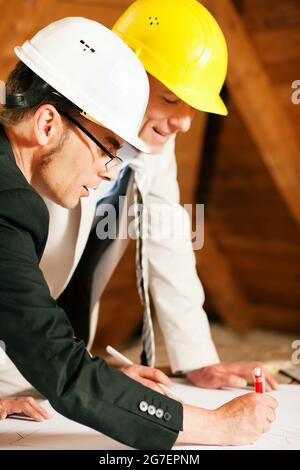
(148, 342)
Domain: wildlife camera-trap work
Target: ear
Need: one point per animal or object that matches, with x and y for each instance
(47, 124)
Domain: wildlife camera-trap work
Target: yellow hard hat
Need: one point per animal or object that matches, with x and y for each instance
(180, 43)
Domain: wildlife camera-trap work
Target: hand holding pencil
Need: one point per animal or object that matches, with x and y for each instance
(148, 376)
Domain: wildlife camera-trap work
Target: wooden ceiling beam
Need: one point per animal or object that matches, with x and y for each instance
(266, 118)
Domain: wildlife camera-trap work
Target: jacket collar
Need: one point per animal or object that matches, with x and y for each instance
(5, 148)
(8, 160)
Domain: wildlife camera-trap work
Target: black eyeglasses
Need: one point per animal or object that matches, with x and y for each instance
(114, 160)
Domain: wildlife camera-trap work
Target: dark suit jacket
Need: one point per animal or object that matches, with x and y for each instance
(40, 340)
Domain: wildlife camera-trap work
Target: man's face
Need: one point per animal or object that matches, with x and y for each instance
(77, 165)
(166, 115)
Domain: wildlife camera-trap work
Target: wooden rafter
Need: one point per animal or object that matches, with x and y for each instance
(266, 118)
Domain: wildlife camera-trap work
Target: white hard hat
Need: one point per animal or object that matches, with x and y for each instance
(94, 69)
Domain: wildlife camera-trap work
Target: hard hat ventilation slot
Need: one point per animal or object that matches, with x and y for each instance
(87, 46)
(153, 21)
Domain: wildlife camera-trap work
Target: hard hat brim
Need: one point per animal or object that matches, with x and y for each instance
(215, 106)
(135, 142)
(201, 101)
(139, 144)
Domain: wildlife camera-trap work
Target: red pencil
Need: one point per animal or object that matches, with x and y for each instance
(259, 380)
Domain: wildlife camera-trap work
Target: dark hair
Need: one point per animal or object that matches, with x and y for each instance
(19, 80)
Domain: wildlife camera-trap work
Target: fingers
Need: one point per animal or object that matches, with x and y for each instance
(264, 399)
(207, 377)
(147, 376)
(266, 427)
(137, 372)
(219, 375)
(37, 410)
(270, 418)
(3, 414)
(156, 375)
(267, 400)
(234, 381)
(220, 380)
(28, 406)
(272, 402)
(152, 385)
(245, 370)
(30, 411)
(271, 383)
(270, 415)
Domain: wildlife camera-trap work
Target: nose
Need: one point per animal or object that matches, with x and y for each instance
(182, 120)
(111, 174)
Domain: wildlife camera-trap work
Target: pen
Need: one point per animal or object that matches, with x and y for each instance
(259, 380)
(124, 360)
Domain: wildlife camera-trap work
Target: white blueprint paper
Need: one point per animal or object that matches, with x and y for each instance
(61, 433)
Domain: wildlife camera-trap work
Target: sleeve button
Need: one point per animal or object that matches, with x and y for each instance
(143, 406)
(151, 410)
(167, 416)
(159, 413)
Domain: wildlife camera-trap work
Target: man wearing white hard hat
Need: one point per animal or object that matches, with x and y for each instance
(52, 145)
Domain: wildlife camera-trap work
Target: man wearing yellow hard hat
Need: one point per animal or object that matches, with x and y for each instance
(183, 50)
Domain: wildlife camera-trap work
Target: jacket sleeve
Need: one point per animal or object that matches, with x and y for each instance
(40, 341)
(174, 284)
